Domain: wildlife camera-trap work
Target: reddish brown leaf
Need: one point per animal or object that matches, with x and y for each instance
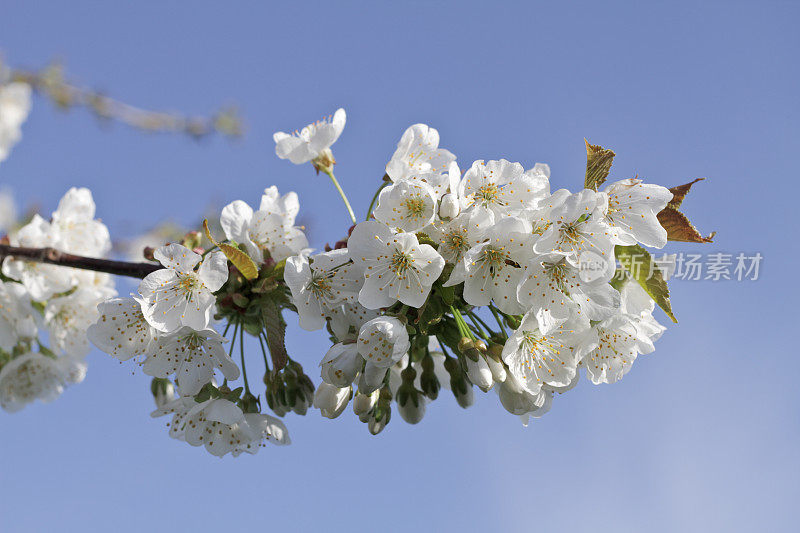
(680, 192)
(679, 228)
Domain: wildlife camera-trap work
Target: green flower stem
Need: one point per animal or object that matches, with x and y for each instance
(476, 320)
(329, 172)
(263, 350)
(462, 325)
(499, 320)
(241, 355)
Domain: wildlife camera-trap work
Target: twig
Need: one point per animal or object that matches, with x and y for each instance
(51, 256)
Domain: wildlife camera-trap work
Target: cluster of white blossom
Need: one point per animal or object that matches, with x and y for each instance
(407, 297)
(168, 328)
(541, 262)
(38, 299)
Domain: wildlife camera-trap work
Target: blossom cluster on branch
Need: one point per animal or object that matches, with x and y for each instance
(487, 278)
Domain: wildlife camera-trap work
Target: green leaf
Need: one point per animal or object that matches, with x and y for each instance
(275, 327)
(240, 260)
(598, 165)
(638, 262)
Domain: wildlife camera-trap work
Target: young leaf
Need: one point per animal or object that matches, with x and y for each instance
(240, 260)
(638, 262)
(598, 165)
(275, 327)
(679, 228)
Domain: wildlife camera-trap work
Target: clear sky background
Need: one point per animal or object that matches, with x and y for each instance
(702, 435)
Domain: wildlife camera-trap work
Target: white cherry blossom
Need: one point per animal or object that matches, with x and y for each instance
(518, 401)
(29, 377)
(121, 329)
(270, 229)
(610, 356)
(406, 206)
(40, 280)
(577, 232)
(16, 315)
(396, 267)
(68, 317)
(312, 141)
(220, 426)
(180, 295)
(332, 400)
(456, 236)
(551, 288)
(192, 356)
(320, 283)
(631, 208)
(491, 271)
(535, 358)
(382, 342)
(76, 231)
(418, 152)
(503, 187)
(15, 105)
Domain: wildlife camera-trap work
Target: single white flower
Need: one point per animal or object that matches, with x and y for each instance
(551, 288)
(178, 295)
(121, 329)
(577, 232)
(636, 302)
(15, 105)
(192, 356)
(535, 358)
(631, 208)
(518, 401)
(406, 206)
(503, 187)
(320, 283)
(418, 152)
(396, 267)
(73, 369)
(312, 142)
(611, 354)
(491, 271)
(270, 229)
(465, 231)
(347, 319)
(29, 377)
(332, 400)
(40, 280)
(16, 315)
(382, 342)
(68, 317)
(220, 426)
(341, 364)
(76, 230)
(364, 403)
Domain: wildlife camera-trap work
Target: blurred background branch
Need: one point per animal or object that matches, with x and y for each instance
(51, 82)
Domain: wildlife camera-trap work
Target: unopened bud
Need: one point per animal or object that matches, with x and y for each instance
(449, 207)
(364, 403)
(163, 391)
(479, 373)
(412, 408)
(148, 252)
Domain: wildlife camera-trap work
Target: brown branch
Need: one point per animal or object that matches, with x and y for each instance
(51, 256)
(51, 83)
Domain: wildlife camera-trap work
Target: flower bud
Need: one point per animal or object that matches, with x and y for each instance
(163, 391)
(466, 347)
(479, 373)
(497, 368)
(461, 388)
(449, 207)
(410, 404)
(364, 403)
(429, 383)
(331, 400)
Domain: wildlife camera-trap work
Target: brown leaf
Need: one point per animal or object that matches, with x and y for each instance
(598, 165)
(680, 192)
(679, 228)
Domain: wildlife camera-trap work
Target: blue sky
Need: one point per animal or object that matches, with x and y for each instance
(700, 436)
